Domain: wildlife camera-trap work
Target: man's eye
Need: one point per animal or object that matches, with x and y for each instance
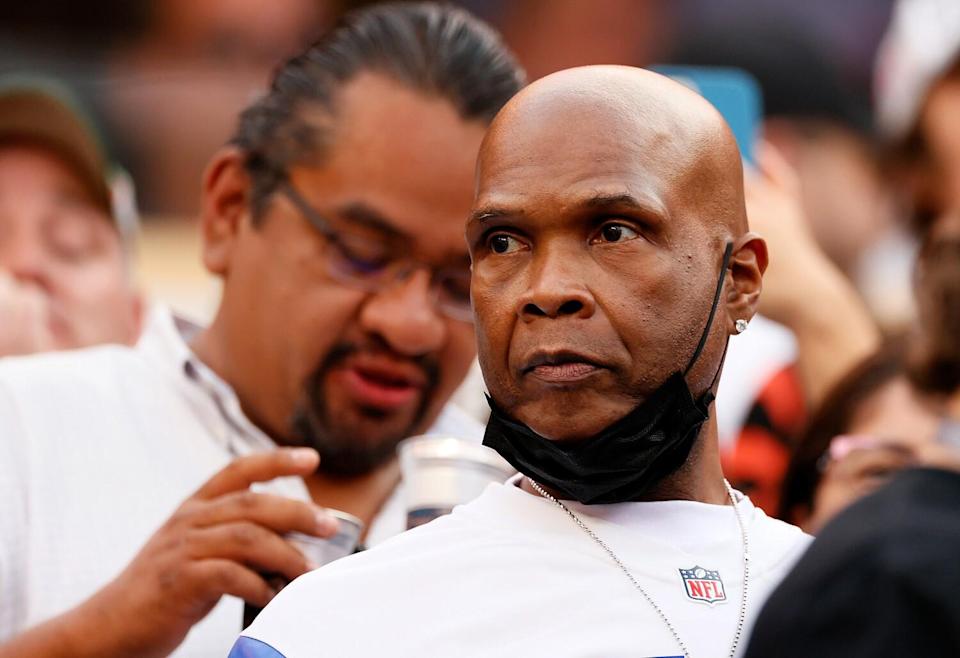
(360, 261)
(502, 243)
(616, 233)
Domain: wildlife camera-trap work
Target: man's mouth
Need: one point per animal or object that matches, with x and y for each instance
(563, 366)
(382, 383)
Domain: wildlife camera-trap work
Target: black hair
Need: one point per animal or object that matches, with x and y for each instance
(435, 49)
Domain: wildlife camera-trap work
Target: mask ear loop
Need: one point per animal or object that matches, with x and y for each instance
(727, 253)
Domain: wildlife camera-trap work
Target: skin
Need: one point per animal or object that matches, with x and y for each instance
(64, 282)
(832, 326)
(576, 315)
(942, 136)
(409, 160)
(902, 423)
(838, 185)
(392, 147)
(940, 186)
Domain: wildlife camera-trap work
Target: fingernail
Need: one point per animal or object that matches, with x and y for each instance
(303, 455)
(326, 524)
(311, 565)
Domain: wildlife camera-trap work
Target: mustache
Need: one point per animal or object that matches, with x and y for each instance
(934, 363)
(342, 352)
(340, 453)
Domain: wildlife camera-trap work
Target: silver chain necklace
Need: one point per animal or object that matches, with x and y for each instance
(613, 556)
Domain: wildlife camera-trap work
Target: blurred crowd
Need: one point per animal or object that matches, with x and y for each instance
(123, 124)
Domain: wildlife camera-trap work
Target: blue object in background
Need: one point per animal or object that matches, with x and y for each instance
(734, 92)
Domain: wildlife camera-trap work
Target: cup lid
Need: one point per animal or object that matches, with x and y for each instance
(433, 446)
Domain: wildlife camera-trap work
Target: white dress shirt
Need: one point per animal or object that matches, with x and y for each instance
(97, 449)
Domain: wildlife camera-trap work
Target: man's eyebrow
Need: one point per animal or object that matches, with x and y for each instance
(362, 214)
(622, 200)
(483, 215)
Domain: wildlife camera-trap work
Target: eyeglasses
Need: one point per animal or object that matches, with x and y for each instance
(359, 259)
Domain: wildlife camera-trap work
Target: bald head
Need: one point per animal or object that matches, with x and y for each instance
(621, 113)
(605, 199)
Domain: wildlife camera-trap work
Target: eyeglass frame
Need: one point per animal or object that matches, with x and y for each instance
(396, 271)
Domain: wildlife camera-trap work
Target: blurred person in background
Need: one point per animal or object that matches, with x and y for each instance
(191, 68)
(819, 198)
(66, 278)
(881, 578)
(825, 132)
(872, 424)
(335, 220)
(783, 371)
(918, 75)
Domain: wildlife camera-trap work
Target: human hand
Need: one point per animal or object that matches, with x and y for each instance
(219, 541)
(802, 288)
(24, 318)
(775, 212)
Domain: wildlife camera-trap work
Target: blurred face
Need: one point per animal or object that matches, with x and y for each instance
(937, 352)
(354, 369)
(593, 271)
(941, 133)
(61, 249)
(881, 440)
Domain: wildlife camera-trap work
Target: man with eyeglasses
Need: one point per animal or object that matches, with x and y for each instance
(335, 219)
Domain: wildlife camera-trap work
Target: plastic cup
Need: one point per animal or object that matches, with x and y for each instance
(322, 551)
(441, 472)
(319, 551)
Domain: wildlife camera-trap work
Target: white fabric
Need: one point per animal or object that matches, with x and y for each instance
(511, 575)
(98, 447)
(753, 357)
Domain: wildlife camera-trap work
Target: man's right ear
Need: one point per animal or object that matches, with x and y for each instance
(224, 208)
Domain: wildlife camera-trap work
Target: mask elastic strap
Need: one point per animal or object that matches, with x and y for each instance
(713, 309)
(711, 393)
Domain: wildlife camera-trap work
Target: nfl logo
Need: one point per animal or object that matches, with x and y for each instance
(703, 585)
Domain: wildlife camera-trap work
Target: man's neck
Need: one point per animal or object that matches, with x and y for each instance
(212, 348)
(362, 496)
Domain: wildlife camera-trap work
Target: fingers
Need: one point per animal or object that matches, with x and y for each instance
(25, 310)
(217, 577)
(278, 513)
(250, 545)
(261, 467)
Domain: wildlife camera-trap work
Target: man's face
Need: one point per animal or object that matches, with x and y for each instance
(59, 247)
(593, 273)
(358, 370)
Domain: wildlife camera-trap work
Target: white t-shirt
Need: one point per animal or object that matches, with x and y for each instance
(97, 449)
(511, 575)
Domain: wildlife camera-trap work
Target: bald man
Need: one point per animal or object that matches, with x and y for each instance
(611, 264)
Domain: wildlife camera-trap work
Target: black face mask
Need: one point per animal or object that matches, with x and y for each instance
(630, 456)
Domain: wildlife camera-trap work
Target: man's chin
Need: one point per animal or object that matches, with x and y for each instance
(356, 441)
(570, 418)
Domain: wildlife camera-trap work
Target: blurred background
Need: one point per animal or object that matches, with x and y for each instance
(165, 80)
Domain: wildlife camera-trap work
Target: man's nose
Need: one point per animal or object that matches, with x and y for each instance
(23, 257)
(556, 288)
(405, 316)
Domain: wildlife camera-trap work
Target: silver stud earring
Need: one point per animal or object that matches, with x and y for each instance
(741, 325)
